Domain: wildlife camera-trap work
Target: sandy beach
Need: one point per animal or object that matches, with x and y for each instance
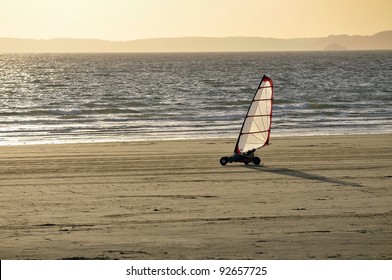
(321, 197)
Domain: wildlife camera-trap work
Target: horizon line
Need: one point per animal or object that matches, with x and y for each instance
(180, 37)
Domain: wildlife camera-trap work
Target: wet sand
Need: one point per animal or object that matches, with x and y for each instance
(314, 198)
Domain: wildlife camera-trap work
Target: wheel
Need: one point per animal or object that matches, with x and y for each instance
(246, 162)
(223, 161)
(256, 160)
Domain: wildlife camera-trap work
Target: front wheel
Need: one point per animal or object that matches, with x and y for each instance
(223, 161)
(256, 160)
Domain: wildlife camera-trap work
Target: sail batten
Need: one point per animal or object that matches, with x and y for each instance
(258, 116)
(244, 133)
(256, 128)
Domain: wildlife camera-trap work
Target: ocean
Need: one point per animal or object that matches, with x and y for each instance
(84, 98)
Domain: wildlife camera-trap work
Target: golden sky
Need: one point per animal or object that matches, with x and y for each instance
(138, 19)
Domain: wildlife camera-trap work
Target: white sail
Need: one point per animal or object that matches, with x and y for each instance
(256, 129)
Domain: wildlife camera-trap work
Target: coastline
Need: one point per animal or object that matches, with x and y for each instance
(164, 138)
(316, 197)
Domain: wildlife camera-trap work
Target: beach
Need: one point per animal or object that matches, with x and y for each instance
(315, 197)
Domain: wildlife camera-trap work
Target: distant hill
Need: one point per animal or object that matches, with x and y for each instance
(335, 47)
(379, 41)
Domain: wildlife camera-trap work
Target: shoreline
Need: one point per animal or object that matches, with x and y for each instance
(316, 197)
(190, 138)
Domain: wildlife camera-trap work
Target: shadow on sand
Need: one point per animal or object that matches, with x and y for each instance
(303, 175)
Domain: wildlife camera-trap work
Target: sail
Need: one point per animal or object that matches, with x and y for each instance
(256, 129)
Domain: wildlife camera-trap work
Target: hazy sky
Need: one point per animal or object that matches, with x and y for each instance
(136, 19)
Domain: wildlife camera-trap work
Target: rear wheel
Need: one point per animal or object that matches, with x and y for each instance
(256, 160)
(223, 161)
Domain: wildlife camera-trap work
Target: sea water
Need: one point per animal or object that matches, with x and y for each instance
(66, 98)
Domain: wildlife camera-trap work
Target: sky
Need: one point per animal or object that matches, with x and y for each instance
(140, 19)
